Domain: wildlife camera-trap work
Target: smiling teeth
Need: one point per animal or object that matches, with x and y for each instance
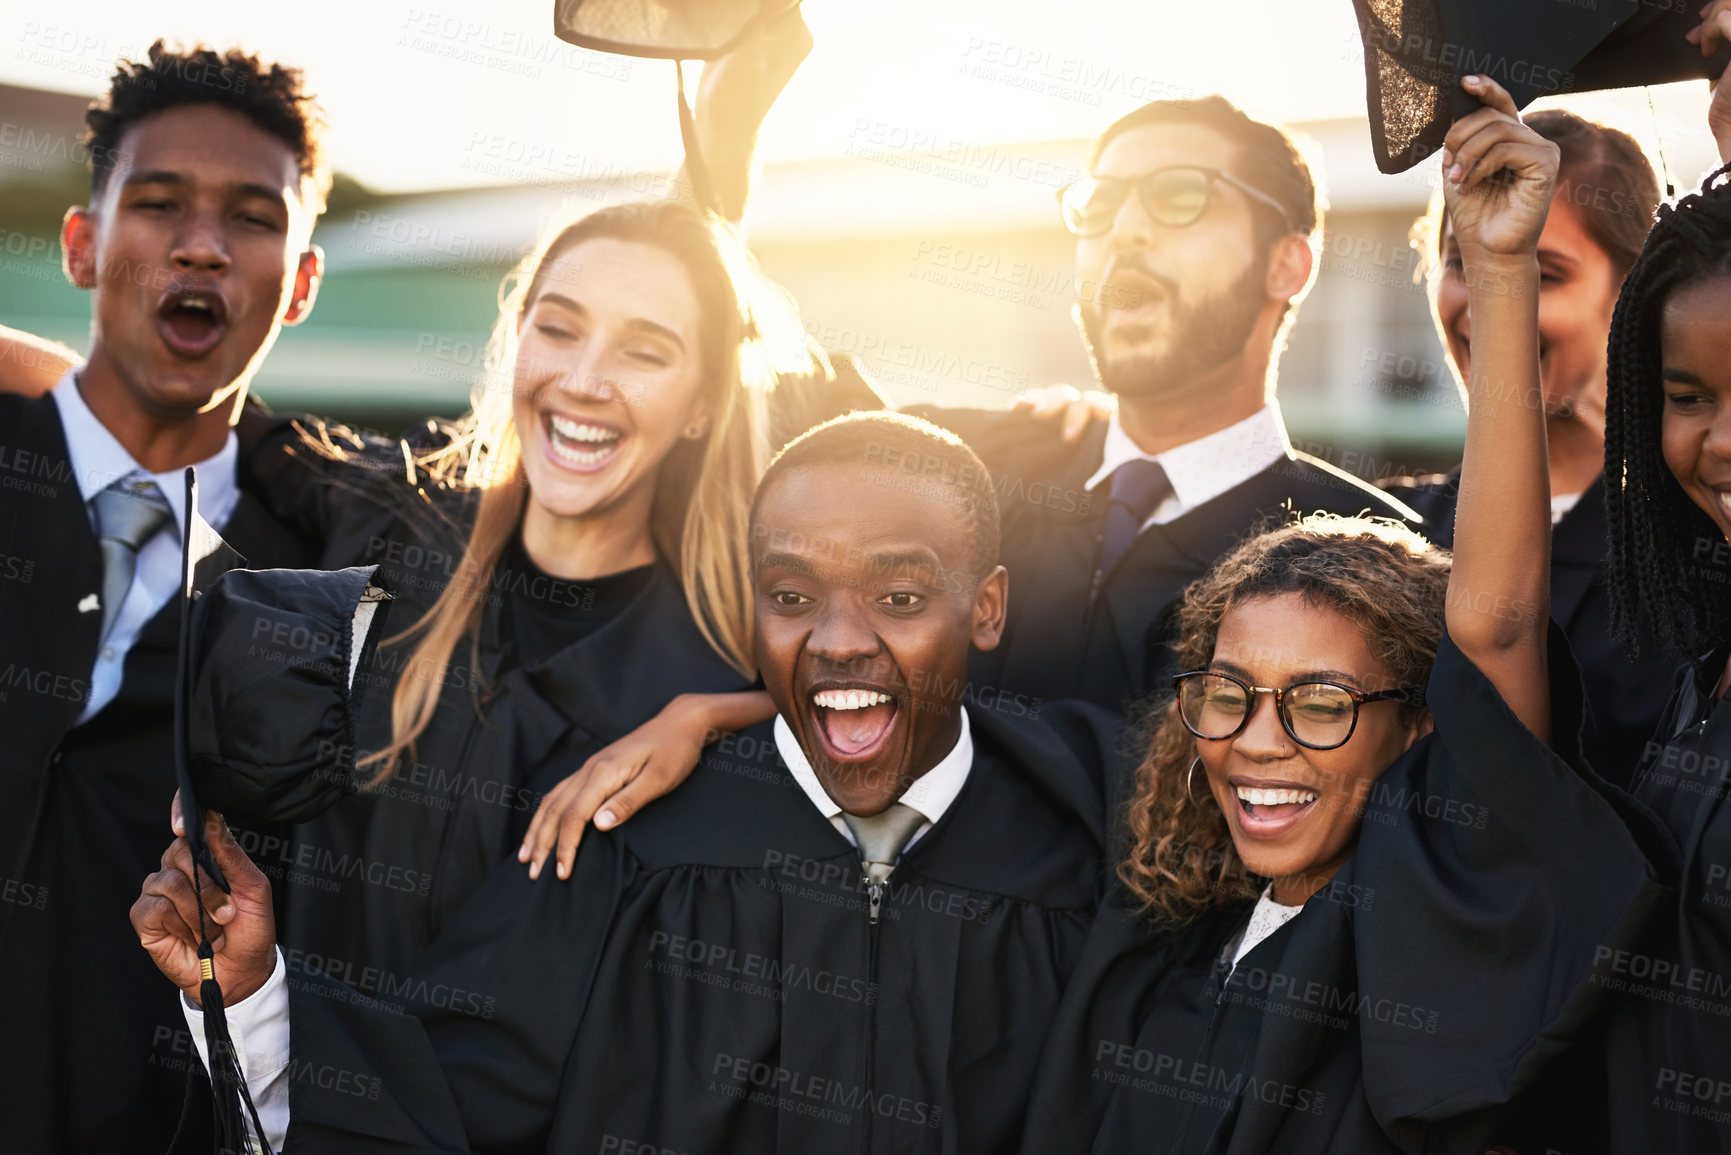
(577, 431)
(1257, 797)
(195, 303)
(598, 441)
(1725, 503)
(849, 699)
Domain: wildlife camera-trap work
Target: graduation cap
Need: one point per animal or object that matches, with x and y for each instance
(241, 726)
(675, 30)
(1417, 51)
(663, 29)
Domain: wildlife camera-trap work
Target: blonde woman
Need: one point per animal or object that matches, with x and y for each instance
(566, 561)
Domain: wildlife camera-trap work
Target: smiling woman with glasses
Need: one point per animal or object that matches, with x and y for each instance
(1351, 914)
(1174, 196)
(1337, 622)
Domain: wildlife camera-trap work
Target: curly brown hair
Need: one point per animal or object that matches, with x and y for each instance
(272, 96)
(1180, 862)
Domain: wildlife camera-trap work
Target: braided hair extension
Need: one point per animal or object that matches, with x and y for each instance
(1655, 530)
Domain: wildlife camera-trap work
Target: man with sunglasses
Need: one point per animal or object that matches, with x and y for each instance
(1194, 228)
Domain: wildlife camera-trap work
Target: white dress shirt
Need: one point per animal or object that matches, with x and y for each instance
(98, 460)
(259, 1024)
(1201, 470)
(931, 793)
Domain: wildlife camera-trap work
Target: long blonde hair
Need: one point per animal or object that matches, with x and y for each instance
(1393, 583)
(749, 337)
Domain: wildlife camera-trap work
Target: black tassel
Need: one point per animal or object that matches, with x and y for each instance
(228, 1091)
(231, 1102)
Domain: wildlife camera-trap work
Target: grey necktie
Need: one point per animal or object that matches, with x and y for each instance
(882, 836)
(128, 514)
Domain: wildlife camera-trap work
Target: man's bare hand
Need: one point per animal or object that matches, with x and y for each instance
(1069, 405)
(242, 924)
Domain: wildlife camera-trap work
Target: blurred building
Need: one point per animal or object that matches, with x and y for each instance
(943, 268)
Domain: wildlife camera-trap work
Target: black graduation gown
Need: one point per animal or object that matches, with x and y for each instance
(709, 979)
(98, 1047)
(373, 880)
(366, 885)
(1625, 696)
(1065, 639)
(1430, 983)
(1668, 1037)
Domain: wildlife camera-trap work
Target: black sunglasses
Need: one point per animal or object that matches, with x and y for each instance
(1174, 197)
(1316, 715)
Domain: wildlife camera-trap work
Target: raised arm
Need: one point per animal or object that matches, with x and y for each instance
(1712, 34)
(1498, 179)
(735, 94)
(31, 365)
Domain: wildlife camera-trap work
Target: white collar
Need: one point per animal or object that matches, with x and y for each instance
(1203, 469)
(98, 460)
(931, 793)
(1266, 917)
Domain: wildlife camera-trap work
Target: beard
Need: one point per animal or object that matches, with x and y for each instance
(1203, 335)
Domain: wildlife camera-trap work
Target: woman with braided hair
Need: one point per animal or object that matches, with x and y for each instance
(1337, 926)
(1668, 500)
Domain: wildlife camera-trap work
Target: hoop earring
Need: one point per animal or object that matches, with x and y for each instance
(1190, 781)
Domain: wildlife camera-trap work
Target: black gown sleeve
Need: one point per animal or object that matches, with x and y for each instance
(1502, 868)
(468, 1051)
(272, 708)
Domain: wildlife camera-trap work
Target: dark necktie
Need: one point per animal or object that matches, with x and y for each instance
(881, 837)
(1137, 487)
(128, 514)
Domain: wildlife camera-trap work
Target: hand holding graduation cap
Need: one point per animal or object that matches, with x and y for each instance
(166, 917)
(1713, 33)
(1498, 176)
(736, 93)
(738, 90)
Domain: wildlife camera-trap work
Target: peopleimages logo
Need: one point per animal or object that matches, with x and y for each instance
(755, 973)
(1190, 1081)
(817, 1096)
